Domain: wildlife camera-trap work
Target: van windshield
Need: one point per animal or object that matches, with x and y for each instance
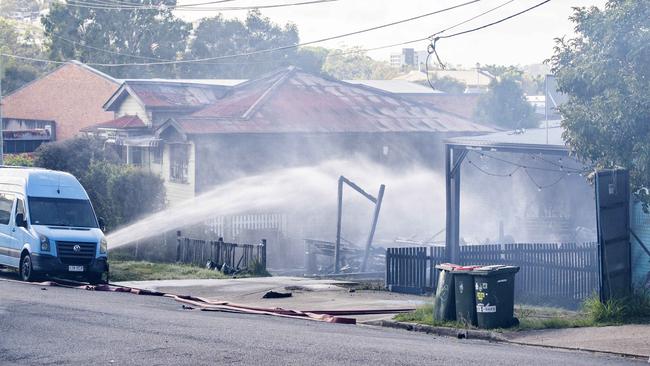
(61, 212)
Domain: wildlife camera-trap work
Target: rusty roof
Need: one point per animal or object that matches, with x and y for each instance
(293, 101)
(167, 94)
(124, 122)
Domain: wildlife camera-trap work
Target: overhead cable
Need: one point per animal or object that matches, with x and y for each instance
(90, 4)
(269, 50)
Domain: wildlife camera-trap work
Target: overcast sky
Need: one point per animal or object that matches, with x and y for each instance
(523, 40)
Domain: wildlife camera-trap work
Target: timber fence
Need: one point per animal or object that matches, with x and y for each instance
(217, 253)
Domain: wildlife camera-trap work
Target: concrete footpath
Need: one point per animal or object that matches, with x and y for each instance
(306, 293)
(633, 339)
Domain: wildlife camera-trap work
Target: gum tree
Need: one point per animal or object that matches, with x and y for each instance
(605, 71)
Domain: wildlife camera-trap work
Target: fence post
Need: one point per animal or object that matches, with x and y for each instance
(264, 253)
(387, 275)
(178, 246)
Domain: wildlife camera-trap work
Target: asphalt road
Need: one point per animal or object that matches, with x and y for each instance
(48, 325)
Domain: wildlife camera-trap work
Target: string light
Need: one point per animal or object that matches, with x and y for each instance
(564, 170)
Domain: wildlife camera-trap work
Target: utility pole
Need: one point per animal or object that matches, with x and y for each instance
(2, 128)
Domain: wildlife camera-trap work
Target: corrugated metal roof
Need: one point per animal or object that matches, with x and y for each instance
(539, 137)
(396, 86)
(469, 77)
(219, 82)
(291, 100)
(124, 122)
(167, 94)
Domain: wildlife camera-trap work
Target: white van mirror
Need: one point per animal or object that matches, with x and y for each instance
(20, 220)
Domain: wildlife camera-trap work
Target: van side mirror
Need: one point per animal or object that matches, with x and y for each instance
(20, 220)
(102, 223)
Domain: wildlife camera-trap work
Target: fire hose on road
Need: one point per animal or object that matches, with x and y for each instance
(329, 316)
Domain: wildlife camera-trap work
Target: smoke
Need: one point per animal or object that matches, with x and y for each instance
(413, 209)
(308, 195)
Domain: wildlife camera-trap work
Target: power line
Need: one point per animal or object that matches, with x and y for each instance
(125, 6)
(435, 37)
(495, 22)
(473, 18)
(270, 50)
(129, 3)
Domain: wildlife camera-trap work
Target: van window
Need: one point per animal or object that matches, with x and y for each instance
(6, 204)
(20, 207)
(61, 212)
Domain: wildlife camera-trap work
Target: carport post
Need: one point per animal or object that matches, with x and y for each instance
(453, 161)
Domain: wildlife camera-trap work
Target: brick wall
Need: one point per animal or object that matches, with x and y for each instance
(71, 95)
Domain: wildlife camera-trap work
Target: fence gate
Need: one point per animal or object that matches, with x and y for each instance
(613, 221)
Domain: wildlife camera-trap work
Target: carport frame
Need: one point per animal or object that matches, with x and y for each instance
(455, 153)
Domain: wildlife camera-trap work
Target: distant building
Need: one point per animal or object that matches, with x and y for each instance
(401, 87)
(407, 59)
(476, 81)
(57, 105)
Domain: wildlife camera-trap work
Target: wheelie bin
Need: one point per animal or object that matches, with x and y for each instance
(494, 287)
(464, 294)
(444, 305)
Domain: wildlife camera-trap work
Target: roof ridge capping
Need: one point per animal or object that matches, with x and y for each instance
(290, 71)
(93, 70)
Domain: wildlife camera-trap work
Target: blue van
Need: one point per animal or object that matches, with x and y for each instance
(48, 226)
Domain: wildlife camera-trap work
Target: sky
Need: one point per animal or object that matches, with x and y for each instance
(526, 39)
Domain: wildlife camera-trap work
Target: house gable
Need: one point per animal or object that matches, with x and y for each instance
(171, 132)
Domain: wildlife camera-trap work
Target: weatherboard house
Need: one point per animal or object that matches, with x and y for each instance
(196, 135)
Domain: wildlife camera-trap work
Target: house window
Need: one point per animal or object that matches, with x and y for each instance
(157, 154)
(178, 163)
(135, 155)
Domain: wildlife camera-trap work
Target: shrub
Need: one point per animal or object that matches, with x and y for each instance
(19, 160)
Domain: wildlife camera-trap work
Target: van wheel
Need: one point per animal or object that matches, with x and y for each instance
(26, 269)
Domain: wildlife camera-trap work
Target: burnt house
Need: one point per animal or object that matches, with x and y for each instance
(198, 135)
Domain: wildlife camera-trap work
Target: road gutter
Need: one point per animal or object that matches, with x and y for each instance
(486, 335)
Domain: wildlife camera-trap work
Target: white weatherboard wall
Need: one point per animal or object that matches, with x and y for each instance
(179, 192)
(131, 107)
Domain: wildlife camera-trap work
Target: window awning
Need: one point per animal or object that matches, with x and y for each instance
(139, 141)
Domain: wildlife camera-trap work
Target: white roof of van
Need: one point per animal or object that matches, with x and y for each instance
(40, 182)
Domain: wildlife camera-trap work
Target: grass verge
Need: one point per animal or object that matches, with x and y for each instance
(147, 271)
(594, 313)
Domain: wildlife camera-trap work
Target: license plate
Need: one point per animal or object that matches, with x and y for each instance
(75, 268)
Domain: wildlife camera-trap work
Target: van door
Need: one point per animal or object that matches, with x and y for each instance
(9, 248)
(21, 234)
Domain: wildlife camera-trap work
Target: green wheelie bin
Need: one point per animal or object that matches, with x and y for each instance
(464, 294)
(494, 287)
(444, 305)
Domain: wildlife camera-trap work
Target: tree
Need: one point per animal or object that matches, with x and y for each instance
(353, 63)
(446, 84)
(311, 59)
(605, 72)
(505, 105)
(218, 36)
(15, 73)
(95, 35)
(7, 7)
(74, 156)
